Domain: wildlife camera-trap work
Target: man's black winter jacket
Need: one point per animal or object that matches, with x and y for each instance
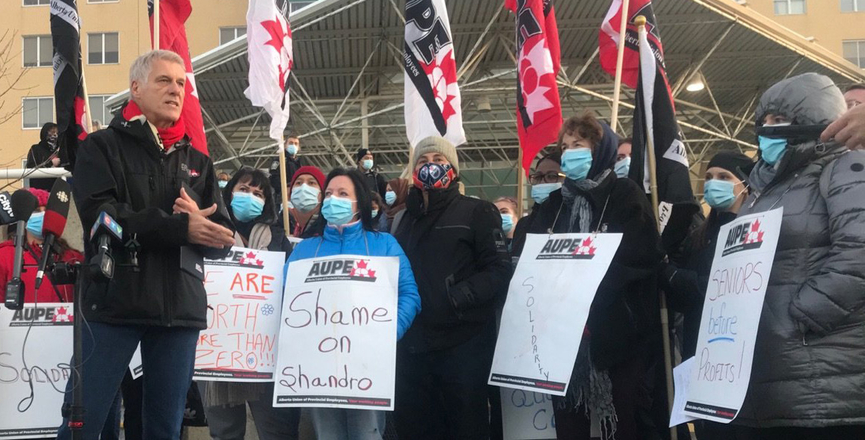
(125, 166)
(461, 265)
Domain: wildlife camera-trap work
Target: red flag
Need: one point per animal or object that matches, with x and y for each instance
(172, 36)
(608, 40)
(539, 111)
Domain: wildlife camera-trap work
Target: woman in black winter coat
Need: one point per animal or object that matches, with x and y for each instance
(609, 367)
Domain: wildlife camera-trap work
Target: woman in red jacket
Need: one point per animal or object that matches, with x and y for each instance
(48, 292)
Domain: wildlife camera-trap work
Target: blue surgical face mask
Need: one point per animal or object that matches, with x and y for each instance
(245, 206)
(622, 167)
(367, 164)
(34, 224)
(507, 222)
(337, 210)
(541, 192)
(222, 183)
(304, 197)
(772, 149)
(576, 163)
(291, 149)
(719, 194)
(374, 213)
(390, 197)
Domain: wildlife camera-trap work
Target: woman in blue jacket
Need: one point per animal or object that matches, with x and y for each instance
(346, 227)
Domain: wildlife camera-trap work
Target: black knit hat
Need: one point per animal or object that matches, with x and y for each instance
(361, 152)
(734, 162)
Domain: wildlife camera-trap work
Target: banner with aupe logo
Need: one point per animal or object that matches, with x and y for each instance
(244, 297)
(337, 338)
(731, 315)
(547, 307)
(42, 363)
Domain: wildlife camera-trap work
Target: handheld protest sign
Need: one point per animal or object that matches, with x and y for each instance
(731, 316)
(337, 339)
(527, 415)
(547, 307)
(47, 355)
(244, 297)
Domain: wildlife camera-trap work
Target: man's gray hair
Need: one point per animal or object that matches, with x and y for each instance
(142, 65)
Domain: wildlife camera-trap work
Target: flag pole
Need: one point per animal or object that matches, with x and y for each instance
(640, 21)
(155, 44)
(283, 180)
(620, 57)
(521, 184)
(88, 117)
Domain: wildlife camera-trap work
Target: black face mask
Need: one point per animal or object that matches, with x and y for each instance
(52, 139)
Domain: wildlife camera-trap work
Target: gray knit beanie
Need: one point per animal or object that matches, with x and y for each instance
(436, 144)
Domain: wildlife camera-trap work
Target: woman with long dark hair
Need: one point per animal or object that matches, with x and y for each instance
(346, 227)
(249, 199)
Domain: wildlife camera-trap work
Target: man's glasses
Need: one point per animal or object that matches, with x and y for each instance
(550, 177)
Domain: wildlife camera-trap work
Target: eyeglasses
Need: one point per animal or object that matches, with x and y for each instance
(550, 177)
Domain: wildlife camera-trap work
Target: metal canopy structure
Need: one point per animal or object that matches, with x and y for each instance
(347, 82)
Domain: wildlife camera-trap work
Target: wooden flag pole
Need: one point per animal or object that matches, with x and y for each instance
(640, 21)
(155, 44)
(88, 117)
(521, 185)
(283, 180)
(620, 57)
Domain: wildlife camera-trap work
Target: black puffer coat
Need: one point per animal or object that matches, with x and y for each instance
(124, 166)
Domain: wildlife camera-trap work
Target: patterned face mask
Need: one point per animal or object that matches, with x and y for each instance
(434, 176)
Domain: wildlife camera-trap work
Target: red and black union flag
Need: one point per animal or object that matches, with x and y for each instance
(655, 120)
(68, 90)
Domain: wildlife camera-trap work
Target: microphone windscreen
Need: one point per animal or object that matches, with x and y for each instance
(57, 209)
(6, 214)
(23, 204)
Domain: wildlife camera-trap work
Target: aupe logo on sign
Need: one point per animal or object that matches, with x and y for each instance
(341, 270)
(568, 249)
(42, 316)
(743, 237)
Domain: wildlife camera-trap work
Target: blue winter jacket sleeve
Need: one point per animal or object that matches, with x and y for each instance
(408, 300)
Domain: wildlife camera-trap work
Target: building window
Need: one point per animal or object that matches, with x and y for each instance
(789, 7)
(227, 34)
(37, 111)
(37, 51)
(854, 52)
(102, 48)
(296, 5)
(852, 5)
(98, 110)
(37, 2)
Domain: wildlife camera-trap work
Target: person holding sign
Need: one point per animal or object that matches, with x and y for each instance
(458, 252)
(609, 368)
(807, 377)
(251, 205)
(306, 185)
(685, 279)
(346, 227)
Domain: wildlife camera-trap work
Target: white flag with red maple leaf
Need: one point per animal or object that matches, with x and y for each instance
(432, 96)
(268, 35)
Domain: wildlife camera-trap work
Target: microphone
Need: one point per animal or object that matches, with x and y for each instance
(22, 204)
(104, 232)
(6, 214)
(53, 224)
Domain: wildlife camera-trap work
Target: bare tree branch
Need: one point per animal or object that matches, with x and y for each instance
(8, 78)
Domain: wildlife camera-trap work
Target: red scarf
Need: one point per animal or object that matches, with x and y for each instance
(169, 136)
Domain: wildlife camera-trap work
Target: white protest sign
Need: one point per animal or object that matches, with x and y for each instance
(681, 381)
(527, 415)
(47, 355)
(731, 315)
(547, 307)
(337, 339)
(244, 297)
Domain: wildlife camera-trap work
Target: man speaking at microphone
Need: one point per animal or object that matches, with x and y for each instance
(166, 199)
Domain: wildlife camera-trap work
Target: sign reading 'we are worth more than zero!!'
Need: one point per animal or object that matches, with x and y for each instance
(337, 339)
(244, 298)
(547, 307)
(731, 316)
